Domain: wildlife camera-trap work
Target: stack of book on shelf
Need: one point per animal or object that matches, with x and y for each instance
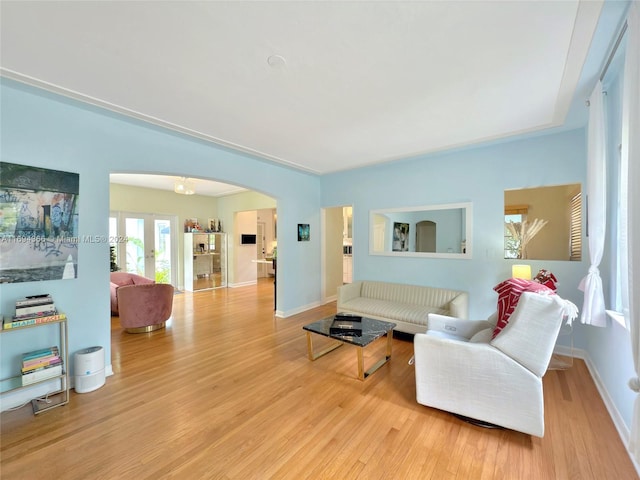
(33, 310)
(40, 365)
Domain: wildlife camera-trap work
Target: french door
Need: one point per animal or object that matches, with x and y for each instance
(148, 244)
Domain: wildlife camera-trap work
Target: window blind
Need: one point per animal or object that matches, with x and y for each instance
(575, 233)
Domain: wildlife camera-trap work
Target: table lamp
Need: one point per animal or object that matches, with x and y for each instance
(521, 271)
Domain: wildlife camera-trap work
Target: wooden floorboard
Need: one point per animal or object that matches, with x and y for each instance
(226, 392)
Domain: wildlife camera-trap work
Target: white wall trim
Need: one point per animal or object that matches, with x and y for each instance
(22, 78)
(242, 284)
(22, 397)
(569, 351)
(614, 413)
(332, 298)
(295, 311)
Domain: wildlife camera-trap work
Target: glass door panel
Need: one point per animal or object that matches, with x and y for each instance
(134, 230)
(219, 249)
(162, 254)
(150, 247)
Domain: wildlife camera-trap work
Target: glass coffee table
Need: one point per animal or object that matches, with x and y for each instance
(371, 331)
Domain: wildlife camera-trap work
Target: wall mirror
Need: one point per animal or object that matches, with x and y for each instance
(543, 223)
(431, 231)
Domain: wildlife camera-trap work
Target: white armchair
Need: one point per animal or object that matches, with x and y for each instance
(461, 369)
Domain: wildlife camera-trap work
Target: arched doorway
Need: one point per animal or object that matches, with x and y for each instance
(426, 236)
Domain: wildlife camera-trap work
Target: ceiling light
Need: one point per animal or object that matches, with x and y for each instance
(276, 61)
(184, 186)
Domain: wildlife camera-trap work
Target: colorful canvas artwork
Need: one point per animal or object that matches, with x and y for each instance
(38, 224)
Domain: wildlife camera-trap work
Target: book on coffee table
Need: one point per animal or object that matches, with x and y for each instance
(346, 324)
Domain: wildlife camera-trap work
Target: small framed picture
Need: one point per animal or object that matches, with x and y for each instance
(191, 225)
(304, 234)
(400, 237)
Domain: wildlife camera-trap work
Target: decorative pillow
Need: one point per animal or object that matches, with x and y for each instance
(547, 279)
(509, 293)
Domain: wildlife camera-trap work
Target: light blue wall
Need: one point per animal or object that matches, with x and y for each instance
(478, 175)
(45, 130)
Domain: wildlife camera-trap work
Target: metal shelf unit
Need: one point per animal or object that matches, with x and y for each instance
(15, 383)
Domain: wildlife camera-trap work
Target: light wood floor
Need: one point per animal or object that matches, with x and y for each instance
(226, 392)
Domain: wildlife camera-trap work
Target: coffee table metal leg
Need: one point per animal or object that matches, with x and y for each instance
(361, 372)
(312, 356)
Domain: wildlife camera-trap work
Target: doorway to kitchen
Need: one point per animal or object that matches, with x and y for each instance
(337, 249)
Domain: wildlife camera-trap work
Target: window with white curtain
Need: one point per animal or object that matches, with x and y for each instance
(616, 301)
(613, 83)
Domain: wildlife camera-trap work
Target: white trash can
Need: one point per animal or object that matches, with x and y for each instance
(89, 369)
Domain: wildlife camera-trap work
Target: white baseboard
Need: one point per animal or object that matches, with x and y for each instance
(332, 298)
(570, 351)
(19, 398)
(295, 311)
(242, 284)
(614, 413)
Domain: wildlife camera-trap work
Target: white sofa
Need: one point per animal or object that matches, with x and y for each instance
(460, 368)
(408, 306)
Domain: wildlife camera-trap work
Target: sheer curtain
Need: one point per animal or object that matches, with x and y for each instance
(593, 309)
(631, 162)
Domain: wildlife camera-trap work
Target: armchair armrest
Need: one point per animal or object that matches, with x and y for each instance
(348, 291)
(457, 327)
(140, 280)
(493, 319)
(459, 306)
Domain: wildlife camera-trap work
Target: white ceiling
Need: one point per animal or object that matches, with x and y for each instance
(320, 86)
(165, 182)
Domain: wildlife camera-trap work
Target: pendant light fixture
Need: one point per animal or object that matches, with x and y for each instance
(184, 186)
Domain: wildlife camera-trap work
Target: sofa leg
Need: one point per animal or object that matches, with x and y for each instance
(147, 329)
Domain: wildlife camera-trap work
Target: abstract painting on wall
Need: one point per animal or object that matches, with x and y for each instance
(38, 224)
(304, 234)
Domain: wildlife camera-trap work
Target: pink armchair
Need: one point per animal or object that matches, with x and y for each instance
(145, 308)
(119, 279)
